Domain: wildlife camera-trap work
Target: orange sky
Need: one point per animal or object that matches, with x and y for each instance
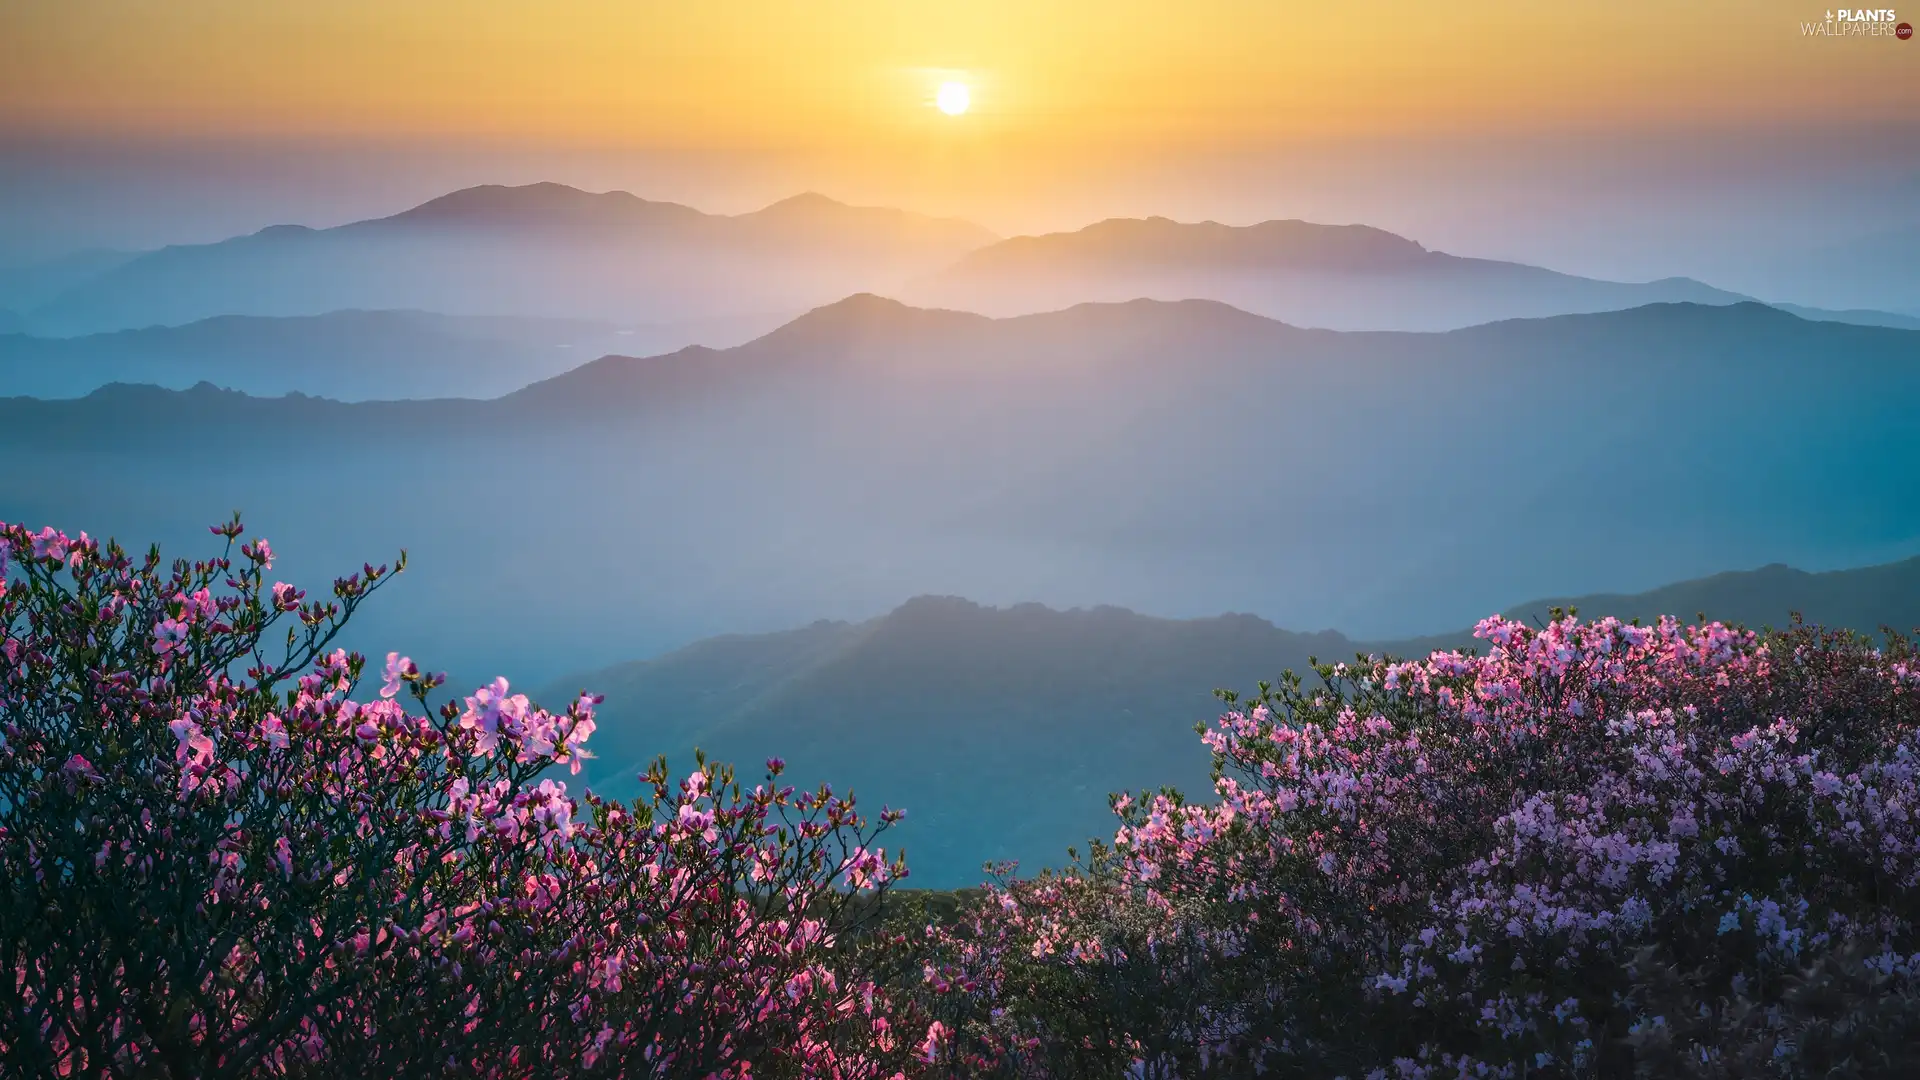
(1464, 123)
(854, 76)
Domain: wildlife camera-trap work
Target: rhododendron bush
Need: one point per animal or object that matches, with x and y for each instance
(1597, 849)
(223, 853)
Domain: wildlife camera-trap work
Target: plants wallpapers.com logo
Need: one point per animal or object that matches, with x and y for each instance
(1859, 22)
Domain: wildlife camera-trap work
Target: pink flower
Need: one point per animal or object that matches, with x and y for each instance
(259, 551)
(929, 1047)
(600, 1040)
(398, 669)
(490, 711)
(286, 597)
(413, 851)
(50, 544)
(695, 820)
(583, 722)
(193, 743)
(169, 636)
(540, 734)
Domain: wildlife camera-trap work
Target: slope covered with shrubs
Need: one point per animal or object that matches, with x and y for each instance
(1597, 849)
(216, 861)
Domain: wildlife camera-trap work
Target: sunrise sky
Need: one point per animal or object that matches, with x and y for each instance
(1437, 116)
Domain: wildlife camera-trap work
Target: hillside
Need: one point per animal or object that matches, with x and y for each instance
(1014, 723)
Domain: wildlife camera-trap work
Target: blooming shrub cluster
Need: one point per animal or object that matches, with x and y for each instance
(215, 860)
(1599, 849)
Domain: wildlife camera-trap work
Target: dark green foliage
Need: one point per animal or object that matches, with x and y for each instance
(1844, 1019)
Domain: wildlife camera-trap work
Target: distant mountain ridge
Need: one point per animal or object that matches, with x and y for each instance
(550, 250)
(358, 355)
(1864, 599)
(535, 250)
(1342, 277)
(1015, 722)
(1179, 457)
(540, 205)
(352, 355)
(548, 205)
(1289, 243)
(1858, 316)
(864, 330)
(23, 288)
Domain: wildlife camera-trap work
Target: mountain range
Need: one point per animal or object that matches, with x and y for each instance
(348, 355)
(544, 250)
(1329, 425)
(1003, 729)
(549, 251)
(28, 286)
(1342, 277)
(1175, 457)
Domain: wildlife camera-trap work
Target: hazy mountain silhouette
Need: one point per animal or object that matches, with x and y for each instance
(538, 250)
(1013, 723)
(348, 355)
(1344, 277)
(1863, 599)
(25, 287)
(1879, 270)
(549, 250)
(1002, 729)
(1184, 458)
(1858, 316)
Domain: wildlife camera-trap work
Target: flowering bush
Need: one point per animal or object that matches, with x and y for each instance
(1598, 849)
(216, 861)
(1060, 975)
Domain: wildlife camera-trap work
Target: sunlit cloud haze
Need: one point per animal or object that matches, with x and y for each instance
(1619, 139)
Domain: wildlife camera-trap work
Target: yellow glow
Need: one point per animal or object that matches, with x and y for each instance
(953, 98)
(752, 74)
(843, 95)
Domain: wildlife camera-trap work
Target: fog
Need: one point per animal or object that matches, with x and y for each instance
(1178, 459)
(1792, 213)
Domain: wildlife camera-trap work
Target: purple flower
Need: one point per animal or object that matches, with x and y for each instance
(169, 636)
(399, 669)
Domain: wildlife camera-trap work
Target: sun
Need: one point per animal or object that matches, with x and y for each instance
(953, 98)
